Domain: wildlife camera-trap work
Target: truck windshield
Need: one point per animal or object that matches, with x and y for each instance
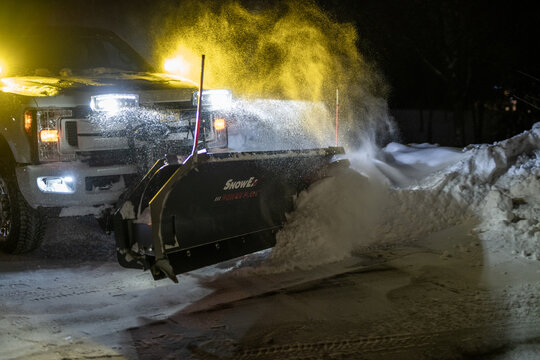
(83, 54)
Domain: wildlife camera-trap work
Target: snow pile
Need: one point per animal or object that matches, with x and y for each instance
(330, 219)
(500, 185)
(357, 208)
(501, 182)
(400, 193)
(400, 165)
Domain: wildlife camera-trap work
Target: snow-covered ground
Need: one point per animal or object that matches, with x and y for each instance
(415, 252)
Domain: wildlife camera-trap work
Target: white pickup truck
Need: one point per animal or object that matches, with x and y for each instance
(82, 116)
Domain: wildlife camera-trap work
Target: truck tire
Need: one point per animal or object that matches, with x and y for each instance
(21, 227)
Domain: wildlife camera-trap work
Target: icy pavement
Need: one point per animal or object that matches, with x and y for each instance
(421, 252)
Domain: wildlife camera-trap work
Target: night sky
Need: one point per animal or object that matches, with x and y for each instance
(424, 44)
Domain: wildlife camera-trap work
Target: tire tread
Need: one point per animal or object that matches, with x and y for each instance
(28, 223)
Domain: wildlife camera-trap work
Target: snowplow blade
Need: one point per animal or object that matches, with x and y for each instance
(186, 216)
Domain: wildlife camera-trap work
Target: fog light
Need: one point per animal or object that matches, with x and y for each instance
(54, 184)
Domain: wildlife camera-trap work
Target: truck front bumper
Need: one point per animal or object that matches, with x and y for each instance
(89, 186)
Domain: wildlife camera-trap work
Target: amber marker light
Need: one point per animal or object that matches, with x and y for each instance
(219, 124)
(28, 118)
(48, 136)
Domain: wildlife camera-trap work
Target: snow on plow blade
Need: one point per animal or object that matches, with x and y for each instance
(216, 208)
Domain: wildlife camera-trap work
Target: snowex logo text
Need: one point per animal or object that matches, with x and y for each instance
(231, 184)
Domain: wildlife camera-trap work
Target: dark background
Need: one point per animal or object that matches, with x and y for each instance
(459, 71)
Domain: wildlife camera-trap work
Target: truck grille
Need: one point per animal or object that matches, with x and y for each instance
(106, 158)
(108, 183)
(71, 133)
(114, 145)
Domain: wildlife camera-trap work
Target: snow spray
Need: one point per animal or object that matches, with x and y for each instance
(287, 51)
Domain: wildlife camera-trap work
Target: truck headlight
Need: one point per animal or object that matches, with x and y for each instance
(215, 99)
(113, 102)
(42, 126)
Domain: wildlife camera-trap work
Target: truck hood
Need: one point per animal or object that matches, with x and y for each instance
(105, 81)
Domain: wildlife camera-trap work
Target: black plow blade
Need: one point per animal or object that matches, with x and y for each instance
(186, 216)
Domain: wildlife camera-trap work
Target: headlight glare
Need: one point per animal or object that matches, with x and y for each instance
(48, 136)
(219, 124)
(56, 184)
(215, 99)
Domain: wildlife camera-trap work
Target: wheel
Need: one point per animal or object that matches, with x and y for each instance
(21, 227)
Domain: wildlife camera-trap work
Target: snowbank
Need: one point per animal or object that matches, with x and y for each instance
(502, 184)
(400, 193)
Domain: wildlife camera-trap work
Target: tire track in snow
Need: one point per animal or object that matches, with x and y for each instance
(390, 344)
(31, 291)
